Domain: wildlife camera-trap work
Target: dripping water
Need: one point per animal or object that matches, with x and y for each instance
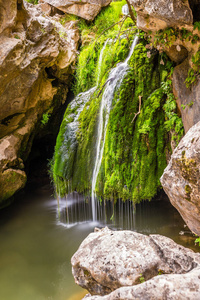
(76, 208)
(113, 83)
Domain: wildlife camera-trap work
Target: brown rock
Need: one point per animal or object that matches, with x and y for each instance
(181, 178)
(86, 9)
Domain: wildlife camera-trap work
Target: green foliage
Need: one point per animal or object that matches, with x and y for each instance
(169, 36)
(45, 118)
(197, 240)
(173, 123)
(68, 18)
(166, 37)
(134, 152)
(142, 279)
(197, 25)
(194, 72)
(136, 137)
(32, 1)
(187, 105)
(93, 40)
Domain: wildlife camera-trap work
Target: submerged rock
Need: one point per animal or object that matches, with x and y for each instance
(115, 262)
(35, 51)
(181, 178)
(86, 9)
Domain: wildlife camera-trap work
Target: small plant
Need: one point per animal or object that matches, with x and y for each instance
(187, 105)
(32, 1)
(194, 72)
(173, 123)
(16, 37)
(197, 25)
(45, 118)
(197, 240)
(160, 272)
(142, 279)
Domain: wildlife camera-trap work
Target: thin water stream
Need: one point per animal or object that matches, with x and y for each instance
(36, 246)
(113, 83)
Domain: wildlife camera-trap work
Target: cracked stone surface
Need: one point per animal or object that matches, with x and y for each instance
(112, 263)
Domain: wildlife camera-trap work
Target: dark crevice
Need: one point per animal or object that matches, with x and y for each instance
(195, 7)
(7, 120)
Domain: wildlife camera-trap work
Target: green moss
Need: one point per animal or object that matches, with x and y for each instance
(117, 48)
(188, 169)
(134, 155)
(137, 135)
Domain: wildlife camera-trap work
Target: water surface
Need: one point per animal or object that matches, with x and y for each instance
(36, 248)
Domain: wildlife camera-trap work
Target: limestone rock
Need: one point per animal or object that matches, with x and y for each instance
(107, 260)
(35, 51)
(187, 98)
(161, 287)
(86, 9)
(181, 178)
(159, 14)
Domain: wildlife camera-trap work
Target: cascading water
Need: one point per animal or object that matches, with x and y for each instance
(77, 208)
(100, 61)
(113, 83)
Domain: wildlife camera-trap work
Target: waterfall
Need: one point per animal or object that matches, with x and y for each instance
(100, 62)
(125, 10)
(114, 81)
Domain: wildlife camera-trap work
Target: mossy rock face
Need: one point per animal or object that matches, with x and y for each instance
(142, 114)
(134, 155)
(135, 147)
(70, 145)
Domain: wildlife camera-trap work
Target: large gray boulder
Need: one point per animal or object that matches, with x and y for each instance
(35, 50)
(86, 9)
(181, 178)
(109, 260)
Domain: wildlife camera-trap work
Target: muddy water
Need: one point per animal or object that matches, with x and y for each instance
(35, 248)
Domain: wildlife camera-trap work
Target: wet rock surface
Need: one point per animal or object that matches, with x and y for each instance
(86, 9)
(181, 178)
(114, 263)
(35, 51)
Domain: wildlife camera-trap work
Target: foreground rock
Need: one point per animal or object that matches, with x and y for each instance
(35, 51)
(115, 262)
(181, 178)
(86, 9)
(176, 287)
